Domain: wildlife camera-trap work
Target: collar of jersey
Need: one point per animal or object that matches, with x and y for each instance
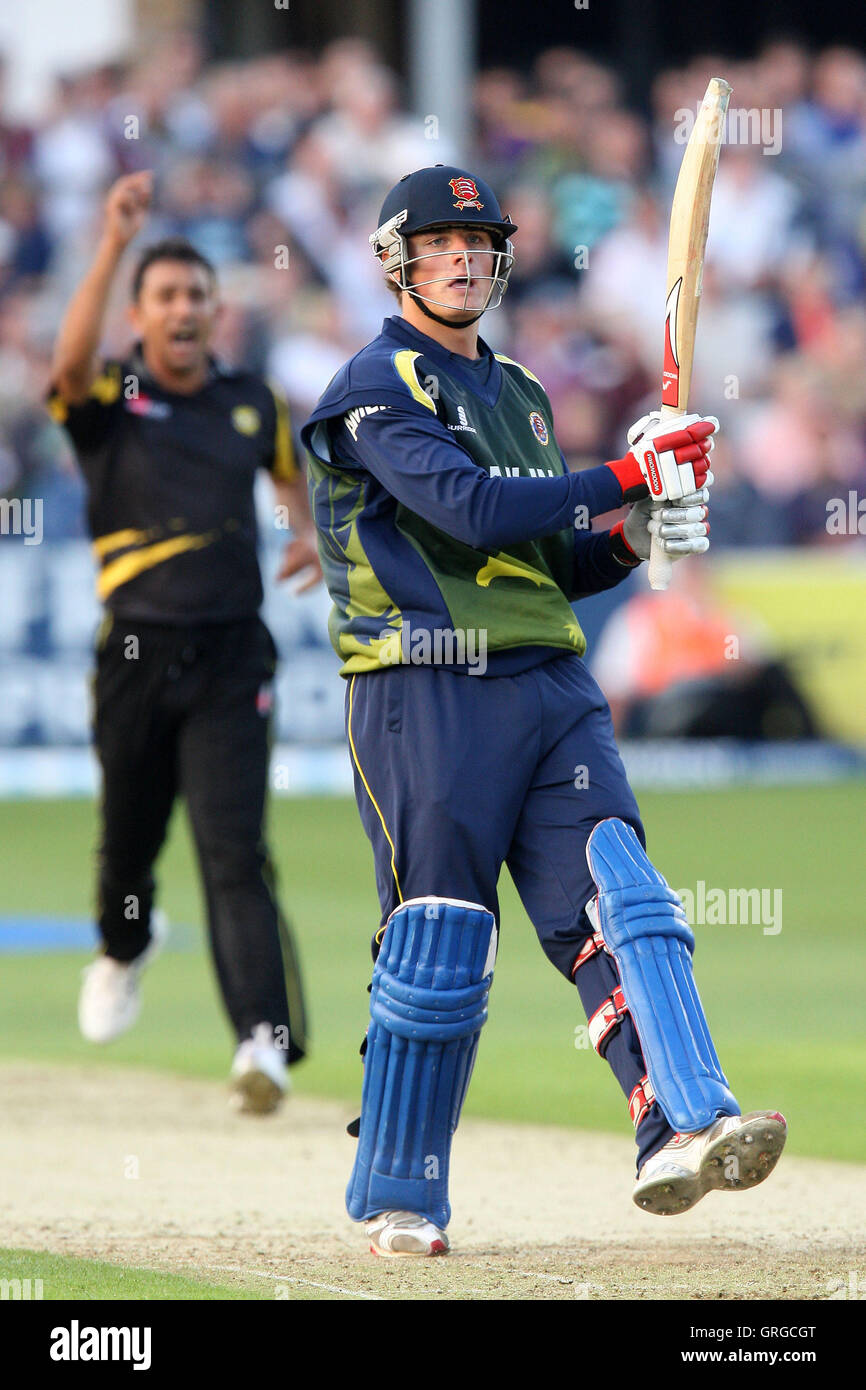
(139, 366)
(397, 328)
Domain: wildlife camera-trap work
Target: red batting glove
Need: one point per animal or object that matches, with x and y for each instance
(669, 458)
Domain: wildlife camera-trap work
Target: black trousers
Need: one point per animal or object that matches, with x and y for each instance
(186, 711)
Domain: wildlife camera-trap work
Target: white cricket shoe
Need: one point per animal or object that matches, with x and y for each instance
(110, 999)
(405, 1233)
(735, 1152)
(259, 1075)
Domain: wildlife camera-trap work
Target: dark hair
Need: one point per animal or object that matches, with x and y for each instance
(173, 248)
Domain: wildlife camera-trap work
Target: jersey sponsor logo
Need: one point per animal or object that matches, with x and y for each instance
(514, 471)
(246, 419)
(653, 477)
(147, 406)
(498, 567)
(466, 193)
(539, 428)
(354, 417)
(463, 421)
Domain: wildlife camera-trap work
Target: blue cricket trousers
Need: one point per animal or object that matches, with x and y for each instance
(457, 774)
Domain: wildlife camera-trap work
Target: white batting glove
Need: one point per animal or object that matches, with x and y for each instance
(668, 458)
(683, 528)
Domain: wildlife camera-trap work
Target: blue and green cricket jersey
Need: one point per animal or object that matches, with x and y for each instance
(443, 503)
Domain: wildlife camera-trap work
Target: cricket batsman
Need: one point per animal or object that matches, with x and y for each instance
(454, 540)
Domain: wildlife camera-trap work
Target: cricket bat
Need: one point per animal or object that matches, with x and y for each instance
(690, 215)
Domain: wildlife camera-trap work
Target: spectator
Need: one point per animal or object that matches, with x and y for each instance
(275, 167)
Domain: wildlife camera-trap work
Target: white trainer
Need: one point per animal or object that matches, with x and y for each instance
(259, 1075)
(730, 1155)
(396, 1233)
(110, 999)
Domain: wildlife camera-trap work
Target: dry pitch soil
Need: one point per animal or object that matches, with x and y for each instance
(150, 1170)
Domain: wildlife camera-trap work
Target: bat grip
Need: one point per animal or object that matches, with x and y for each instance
(660, 565)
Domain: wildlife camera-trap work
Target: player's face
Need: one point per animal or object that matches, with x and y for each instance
(175, 314)
(449, 253)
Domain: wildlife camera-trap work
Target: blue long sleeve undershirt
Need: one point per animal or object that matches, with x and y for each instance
(422, 465)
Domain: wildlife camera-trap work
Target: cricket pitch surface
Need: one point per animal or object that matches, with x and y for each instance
(155, 1171)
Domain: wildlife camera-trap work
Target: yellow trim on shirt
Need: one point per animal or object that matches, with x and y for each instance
(285, 466)
(404, 364)
(104, 388)
(500, 357)
(120, 571)
(118, 540)
(497, 566)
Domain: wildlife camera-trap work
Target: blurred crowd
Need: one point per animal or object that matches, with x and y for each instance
(276, 167)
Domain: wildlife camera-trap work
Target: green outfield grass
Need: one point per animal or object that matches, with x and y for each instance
(62, 1277)
(785, 1009)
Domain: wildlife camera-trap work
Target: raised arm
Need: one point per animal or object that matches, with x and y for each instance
(75, 352)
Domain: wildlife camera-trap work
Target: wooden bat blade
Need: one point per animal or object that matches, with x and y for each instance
(690, 217)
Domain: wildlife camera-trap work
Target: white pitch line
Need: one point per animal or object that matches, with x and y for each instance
(287, 1279)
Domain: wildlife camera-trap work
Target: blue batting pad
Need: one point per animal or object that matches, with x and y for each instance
(644, 927)
(428, 1005)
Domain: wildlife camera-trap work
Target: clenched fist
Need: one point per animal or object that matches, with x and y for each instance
(668, 459)
(681, 527)
(127, 206)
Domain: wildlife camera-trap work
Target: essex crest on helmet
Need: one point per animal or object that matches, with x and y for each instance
(465, 192)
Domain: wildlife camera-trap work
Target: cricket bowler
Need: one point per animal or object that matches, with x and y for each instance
(453, 540)
(169, 443)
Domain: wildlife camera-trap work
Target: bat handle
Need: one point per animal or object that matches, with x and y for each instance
(660, 565)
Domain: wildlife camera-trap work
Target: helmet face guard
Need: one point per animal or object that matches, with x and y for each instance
(388, 238)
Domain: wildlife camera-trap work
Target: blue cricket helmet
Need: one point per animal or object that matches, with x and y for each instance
(441, 196)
